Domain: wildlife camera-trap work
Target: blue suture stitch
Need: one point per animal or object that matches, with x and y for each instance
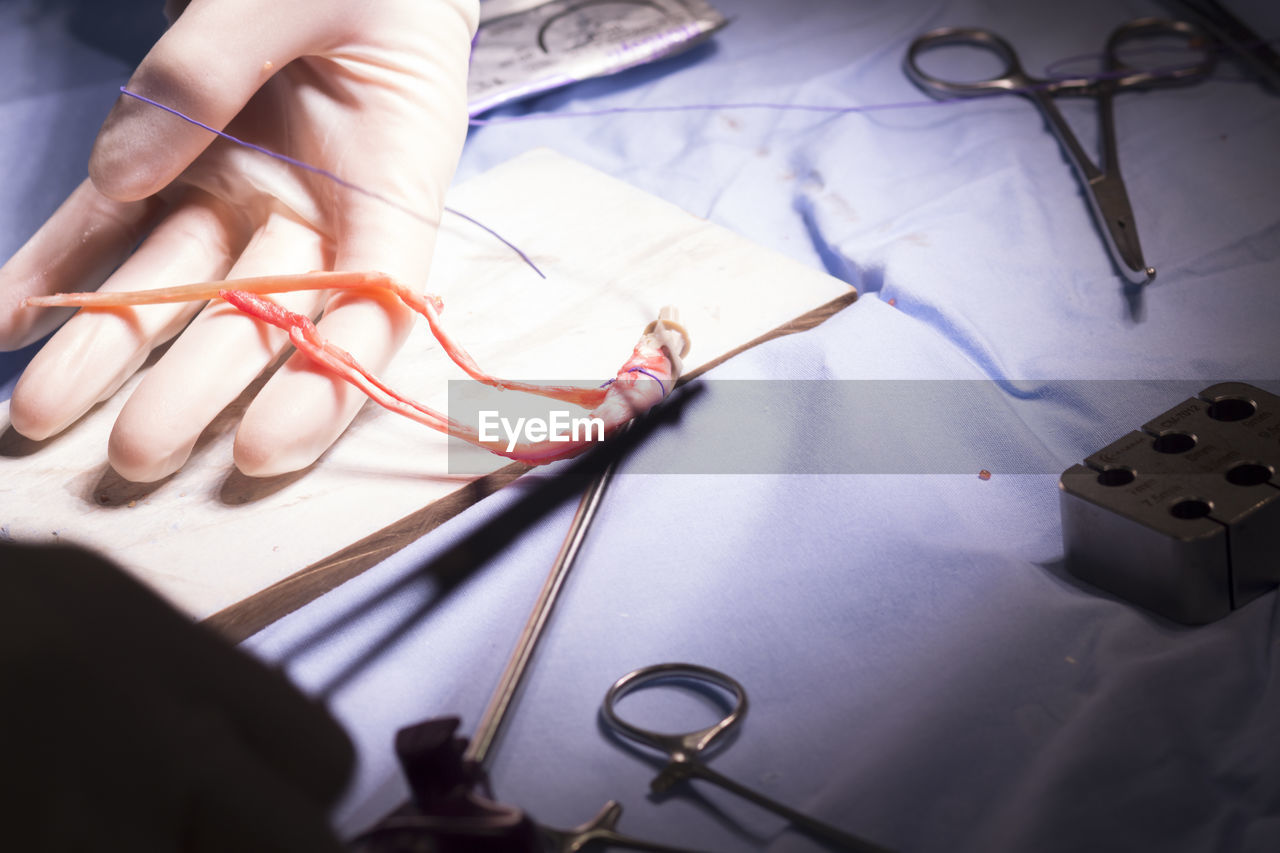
(325, 173)
(661, 384)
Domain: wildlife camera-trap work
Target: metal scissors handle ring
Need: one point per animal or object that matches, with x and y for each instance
(682, 746)
(683, 749)
(1012, 78)
(1128, 77)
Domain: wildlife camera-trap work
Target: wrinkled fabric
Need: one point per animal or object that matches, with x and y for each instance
(922, 669)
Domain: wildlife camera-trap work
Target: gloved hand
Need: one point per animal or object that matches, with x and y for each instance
(126, 727)
(373, 91)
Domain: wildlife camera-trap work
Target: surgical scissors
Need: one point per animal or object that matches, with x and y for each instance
(683, 750)
(1104, 188)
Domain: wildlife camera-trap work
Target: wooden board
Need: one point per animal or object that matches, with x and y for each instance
(244, 551)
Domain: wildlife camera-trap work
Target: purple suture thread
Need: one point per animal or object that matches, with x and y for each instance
(673, 108)
(749, 105)
(1052, 70)
(661, 384)
(325, 173)
(820, 108)
(1126, 52)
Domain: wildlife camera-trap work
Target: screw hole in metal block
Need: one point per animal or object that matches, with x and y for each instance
(1231, 409)
(1116, 477)
(1248, 474)
(1191, 508)
(1174, 442)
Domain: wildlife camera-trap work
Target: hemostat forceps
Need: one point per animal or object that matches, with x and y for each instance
(1103, 185)
(683, 750)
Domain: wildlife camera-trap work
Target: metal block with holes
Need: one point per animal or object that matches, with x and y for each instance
(1182, 517)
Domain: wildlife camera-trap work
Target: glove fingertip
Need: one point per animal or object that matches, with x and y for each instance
(132, 158)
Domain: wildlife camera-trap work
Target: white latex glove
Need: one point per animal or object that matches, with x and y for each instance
(372, 90)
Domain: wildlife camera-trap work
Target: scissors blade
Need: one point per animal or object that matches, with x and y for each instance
(1110, 203)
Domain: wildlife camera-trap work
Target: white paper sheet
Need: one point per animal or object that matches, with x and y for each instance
(208, 537)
